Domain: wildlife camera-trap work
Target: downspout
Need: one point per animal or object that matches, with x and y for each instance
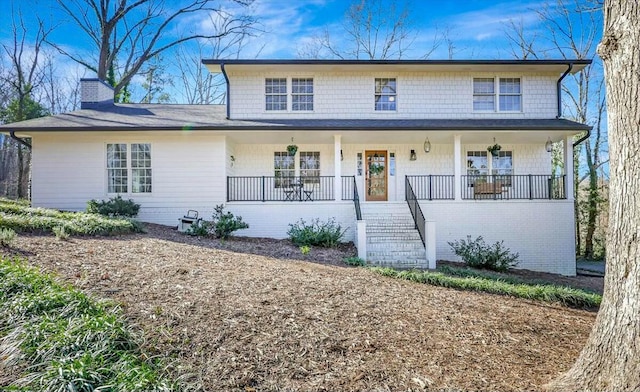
(559, 89)
(226, 78)
(17, 139)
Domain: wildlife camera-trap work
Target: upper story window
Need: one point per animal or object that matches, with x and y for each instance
(385, 95)
(302, 94)
(275, 90)
(509, 95)
(133, 173)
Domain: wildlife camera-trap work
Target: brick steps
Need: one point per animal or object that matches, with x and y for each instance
(392, 239)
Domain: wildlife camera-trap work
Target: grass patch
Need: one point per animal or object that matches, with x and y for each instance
(464, 279)
(69, 341)
(22, 218)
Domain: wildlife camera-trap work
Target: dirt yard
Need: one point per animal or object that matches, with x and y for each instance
(253, 315)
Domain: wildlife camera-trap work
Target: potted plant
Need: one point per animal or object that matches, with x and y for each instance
(292, 149)
(495, 149)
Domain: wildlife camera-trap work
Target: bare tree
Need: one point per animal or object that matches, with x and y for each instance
(572, 30)
(373, 29)
(125, 36)
(23, 77)
(610, 360)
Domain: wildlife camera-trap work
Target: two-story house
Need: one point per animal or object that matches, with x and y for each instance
(396, 151)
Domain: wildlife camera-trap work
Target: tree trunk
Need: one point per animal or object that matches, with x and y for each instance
(20, 172)
(610, 360)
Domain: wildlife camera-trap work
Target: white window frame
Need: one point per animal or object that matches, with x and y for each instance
(309, 175)
(497, 94)
(307, 85)
(289, 94)
(490, 170)
(268, 92)
(129, 170)
(392, 97)
(288, 173)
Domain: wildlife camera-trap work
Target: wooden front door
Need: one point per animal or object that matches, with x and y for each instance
(376, 175)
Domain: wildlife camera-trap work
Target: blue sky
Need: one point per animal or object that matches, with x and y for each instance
(476, 26)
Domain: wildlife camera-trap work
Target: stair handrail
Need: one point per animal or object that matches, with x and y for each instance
(414, 207)
(356, 200)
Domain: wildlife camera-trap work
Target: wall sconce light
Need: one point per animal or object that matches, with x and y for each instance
(233, 159)
(427, 145)
(341, 156)
(413, 156)
(548, 145)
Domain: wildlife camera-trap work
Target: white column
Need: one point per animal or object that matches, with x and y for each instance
(361, 239)
(337, 170)
(568, 166)
(457, 166)
(430, 243)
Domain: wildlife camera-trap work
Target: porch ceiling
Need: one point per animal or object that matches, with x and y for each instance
(395, 137)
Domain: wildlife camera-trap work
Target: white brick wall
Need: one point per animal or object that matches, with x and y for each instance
(419, 95)
(95, 91)
(542, 232)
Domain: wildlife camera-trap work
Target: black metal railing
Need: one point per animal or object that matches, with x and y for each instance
(271, 188)
(348, 183)
(433, 186)
(414, 207)
(527, 186)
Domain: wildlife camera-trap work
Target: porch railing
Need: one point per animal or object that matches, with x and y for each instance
(271, 188)
(414, 207)
(528, 186)
(432, 186)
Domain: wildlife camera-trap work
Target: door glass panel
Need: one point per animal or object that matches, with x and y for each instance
(376, 175)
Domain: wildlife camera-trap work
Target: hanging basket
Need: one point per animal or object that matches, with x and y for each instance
(292, 149)
(494, 150)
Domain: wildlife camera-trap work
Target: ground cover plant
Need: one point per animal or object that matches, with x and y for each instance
(466, 279)
(21, 218)
(63, 340)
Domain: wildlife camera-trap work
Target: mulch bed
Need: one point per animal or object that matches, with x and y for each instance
(255, 314)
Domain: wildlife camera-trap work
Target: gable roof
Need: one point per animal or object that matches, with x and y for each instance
(161, 117)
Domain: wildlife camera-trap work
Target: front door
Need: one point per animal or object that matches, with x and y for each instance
(376, 175)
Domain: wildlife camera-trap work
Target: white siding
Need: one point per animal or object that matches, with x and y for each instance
(419, 95)
(68, 169)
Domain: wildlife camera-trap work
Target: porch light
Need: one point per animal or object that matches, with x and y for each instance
(548, 145)
(413, 156)
(427, 145)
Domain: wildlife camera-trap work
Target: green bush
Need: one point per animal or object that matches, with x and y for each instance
(326, 234)
(221, 225)
(354, 261)
(6, 237)
(114, 207)
(22, 218)
(477, 254)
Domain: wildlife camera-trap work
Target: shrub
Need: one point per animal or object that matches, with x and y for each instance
(6, 237)
(326, 234)
(305, 249)
(477, 254)
(355, 261)
(222, 225)
(226, 223)
(60, 232)
(114, 207)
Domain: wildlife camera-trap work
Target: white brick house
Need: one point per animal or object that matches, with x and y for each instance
(385, 141)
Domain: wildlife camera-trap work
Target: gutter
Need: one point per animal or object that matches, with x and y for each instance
(559, 89)
(12, 133)
(226, 78)
(582, 139)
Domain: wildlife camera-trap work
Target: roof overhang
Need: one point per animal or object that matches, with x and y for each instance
(279, 65)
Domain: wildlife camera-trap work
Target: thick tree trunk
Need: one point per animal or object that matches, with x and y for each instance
(610, 360)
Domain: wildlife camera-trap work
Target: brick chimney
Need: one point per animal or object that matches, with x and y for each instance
(95, 93)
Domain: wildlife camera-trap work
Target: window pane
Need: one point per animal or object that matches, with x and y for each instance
(510, 103)
(275, 94)
(510, 86)
(483, 102)
(284, 168)
(483, 86)
(117, 168)
(310, 167)
(477, 163)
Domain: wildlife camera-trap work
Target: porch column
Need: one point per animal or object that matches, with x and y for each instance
(337, 170)
(457, 166)
(568, 167)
